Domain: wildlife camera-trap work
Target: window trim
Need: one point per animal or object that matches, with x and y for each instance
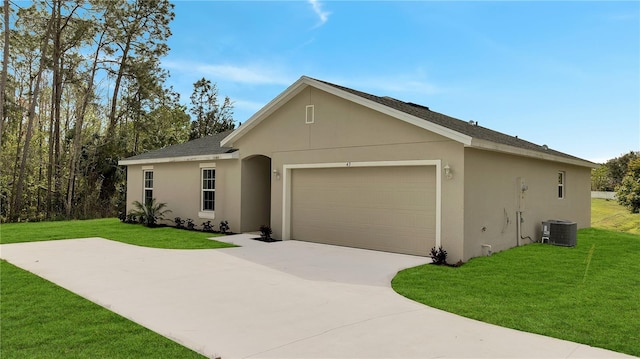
(144, 184)
(202, 213)
(562, 184)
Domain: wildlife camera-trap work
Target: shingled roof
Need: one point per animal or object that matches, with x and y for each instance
(471, 129)
(204, 146)
(468, 132)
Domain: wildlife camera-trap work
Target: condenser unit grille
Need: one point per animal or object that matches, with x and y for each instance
(560, 233)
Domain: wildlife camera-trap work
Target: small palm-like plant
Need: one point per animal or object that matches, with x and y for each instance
(265, 232)
(224, 226)
(438, 256)
(150, 212)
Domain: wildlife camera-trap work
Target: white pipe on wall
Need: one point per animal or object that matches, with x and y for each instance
(518, 227)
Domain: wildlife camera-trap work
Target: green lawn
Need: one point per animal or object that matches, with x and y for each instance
(587, 294)
(610, 215)
(109, 228)
(42, 320)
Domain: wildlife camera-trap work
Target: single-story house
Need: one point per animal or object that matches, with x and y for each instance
(329, 164)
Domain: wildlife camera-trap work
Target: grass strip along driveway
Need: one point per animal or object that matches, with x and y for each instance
(588, 294)
(109, 228)
(43, 320)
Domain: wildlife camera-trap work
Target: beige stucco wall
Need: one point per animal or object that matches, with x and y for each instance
(491, 200)
(178, 185)
(478, 203)
(347, 132)
(256, 193)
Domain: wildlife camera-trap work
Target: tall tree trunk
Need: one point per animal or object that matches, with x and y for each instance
(41, 166)
(56, 138)
(48, 201)
(116, 89)
(17, 207)
(5, 64)
(56, 95)
(16, 164)
(77, 138)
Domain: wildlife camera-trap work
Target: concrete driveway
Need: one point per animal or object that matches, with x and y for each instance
(281, 300)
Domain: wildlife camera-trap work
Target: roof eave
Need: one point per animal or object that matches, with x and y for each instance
(200, 158)
(497, 147)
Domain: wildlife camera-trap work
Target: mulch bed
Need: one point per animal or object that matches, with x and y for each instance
(270, 240)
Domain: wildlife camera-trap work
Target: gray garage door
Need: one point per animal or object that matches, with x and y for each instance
(390, 209)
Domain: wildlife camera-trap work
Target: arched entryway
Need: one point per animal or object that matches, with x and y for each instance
(256, 193)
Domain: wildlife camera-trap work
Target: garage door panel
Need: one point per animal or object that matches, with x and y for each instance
(344, 217)
(383, 208)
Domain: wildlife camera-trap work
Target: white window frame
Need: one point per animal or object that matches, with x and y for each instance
(202, 213)
(562, 181)
(144, 184)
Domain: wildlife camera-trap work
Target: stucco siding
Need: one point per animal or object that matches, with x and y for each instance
(134, 185)
(178, 185)
(491, 199)
(347, 132)
(256, 193)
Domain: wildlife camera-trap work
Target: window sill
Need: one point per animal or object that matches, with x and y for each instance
(207, 214)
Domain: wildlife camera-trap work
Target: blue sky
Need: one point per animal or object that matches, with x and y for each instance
(565, 74)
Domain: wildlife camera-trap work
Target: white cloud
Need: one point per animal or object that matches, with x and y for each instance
(250, 74)
(317, 8)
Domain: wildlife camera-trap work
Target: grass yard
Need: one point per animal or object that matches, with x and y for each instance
(42, 320)
(109, 228)
(608, 214)
(588, 294)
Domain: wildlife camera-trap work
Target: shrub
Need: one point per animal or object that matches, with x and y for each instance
(207, 226)
(131, 218)
(265, 232)
(149, 213)
(438, 256)
(190, 225)
(179, 222)
(224, 226)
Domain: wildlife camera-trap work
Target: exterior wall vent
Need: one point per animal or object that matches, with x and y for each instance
(560, 233)
(310, 114)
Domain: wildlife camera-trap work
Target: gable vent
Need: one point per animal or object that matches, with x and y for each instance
(310, 114)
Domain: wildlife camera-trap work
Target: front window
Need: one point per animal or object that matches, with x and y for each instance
(561, 180)
(148, 187)
(208, 189)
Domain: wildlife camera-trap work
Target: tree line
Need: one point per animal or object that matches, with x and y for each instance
(81, 88)
(620, 175)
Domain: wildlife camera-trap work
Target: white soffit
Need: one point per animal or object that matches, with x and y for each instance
(221, 156)
(497, 147)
